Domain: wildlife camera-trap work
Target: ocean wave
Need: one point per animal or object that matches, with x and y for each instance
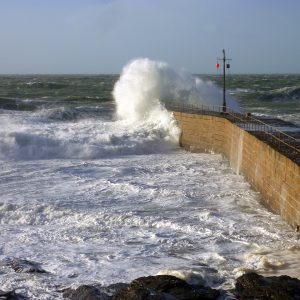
(86, 105)
(285, 93)
(86, 139)
(17, 104)
(46, 84)
(69, 113)
(80, 98)
(60, 113)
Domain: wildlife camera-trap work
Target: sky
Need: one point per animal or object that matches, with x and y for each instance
(101, 36)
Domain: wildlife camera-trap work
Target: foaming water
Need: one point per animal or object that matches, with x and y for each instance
(283, 261)
(114, 219)
(95, 197)
(28, 137)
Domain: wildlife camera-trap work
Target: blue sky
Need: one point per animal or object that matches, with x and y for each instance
(100, 36)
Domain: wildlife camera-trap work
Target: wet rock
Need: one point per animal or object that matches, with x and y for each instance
(227, 295)
(25, 266)
(11, 295)
(85, 292)
(165, 287)
(115, 288)
(94, 292)
(253, 286)
(250, 286)
(160, 287)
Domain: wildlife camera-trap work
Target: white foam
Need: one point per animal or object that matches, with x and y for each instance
(269, 261)
(190, 276)
(115, 219)
(33, 138)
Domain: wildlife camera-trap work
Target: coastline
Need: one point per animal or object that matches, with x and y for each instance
(250, 286)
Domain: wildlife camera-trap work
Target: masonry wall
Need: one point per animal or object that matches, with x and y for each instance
(275, 176)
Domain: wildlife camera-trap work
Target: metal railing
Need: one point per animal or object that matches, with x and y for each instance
(194, 108)
(278, 139)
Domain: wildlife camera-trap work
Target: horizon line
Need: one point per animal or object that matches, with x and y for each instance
(116, 74)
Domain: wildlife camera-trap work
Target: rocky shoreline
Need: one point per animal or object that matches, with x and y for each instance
(249, 286)
(165, 287)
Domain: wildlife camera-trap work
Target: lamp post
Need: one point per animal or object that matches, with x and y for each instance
(225, 66)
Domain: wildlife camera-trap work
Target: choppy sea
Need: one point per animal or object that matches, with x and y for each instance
(94, 197)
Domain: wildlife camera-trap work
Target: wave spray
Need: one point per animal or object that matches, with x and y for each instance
(145, 84)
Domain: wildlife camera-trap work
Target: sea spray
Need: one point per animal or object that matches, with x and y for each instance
(138, 93)
(145, 84)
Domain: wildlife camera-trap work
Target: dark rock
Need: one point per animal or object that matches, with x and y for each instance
(250, 286)
(227, 295)
(253, 286)
(115, 288)
(97, 292)
(164, 287)
(85, 292)
(161, 287)
(11, 295)
(73, 275)
(25, 266)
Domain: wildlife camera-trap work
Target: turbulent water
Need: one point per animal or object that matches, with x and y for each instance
(266, 95)
(96, 189)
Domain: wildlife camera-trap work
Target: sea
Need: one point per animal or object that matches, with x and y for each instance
(95, 188)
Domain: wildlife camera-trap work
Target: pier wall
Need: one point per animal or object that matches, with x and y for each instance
(275, 176)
